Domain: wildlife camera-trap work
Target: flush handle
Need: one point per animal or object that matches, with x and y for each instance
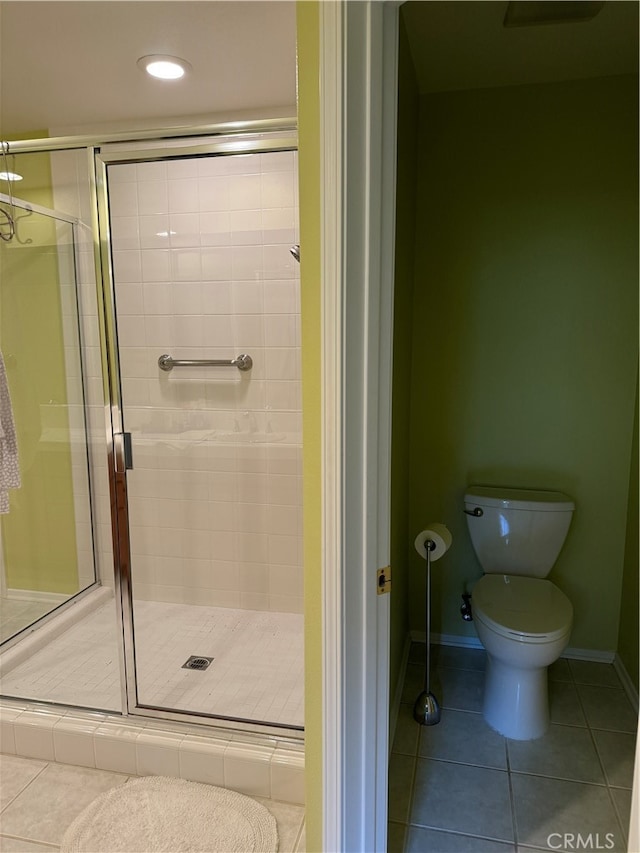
(477, 511)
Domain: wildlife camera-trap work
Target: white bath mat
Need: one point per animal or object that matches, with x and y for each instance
(156, 813)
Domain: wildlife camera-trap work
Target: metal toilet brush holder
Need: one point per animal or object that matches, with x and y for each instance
(426, 710)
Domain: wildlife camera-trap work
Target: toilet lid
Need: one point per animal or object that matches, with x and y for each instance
(526, 607)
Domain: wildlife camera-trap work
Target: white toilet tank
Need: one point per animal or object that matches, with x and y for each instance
(517, 531)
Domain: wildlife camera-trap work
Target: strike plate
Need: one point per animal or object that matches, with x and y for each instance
(383, 577)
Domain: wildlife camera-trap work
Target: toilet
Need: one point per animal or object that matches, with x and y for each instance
(523, 620)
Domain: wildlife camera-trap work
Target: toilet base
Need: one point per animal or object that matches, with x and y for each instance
(516, 700)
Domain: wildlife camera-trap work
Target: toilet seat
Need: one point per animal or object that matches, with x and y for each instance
(530, 610)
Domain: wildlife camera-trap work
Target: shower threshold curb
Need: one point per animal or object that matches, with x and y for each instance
(256, 765)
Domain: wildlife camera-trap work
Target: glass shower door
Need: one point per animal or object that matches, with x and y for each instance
(46, 544)
(203, 277)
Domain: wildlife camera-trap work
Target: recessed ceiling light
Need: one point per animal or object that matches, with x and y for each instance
(10, 176)
(164, 67)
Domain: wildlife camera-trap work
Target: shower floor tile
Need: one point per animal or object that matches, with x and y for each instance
(256, 674)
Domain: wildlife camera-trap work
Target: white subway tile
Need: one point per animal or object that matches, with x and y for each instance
(157, 297)
(279, 263)
(115, 747)
(216, 297)
(73, 741)
(245, 192)
(278, 161)
(284, 550)
(151, 171)
(248, 297)
(254, 601)
(184, 230)
(202, 760)
(123, 199)
(119, 173)
(157, 753)
(126, 267)
(152, 197)
(249, 330)
(252, 547)
(247, 769)
(277, 189)
(156, 265)
(280, 330)
(33, 732)
(212, 166)
(183, 196)
(178, 169)
(129, 299)
(186, 265)
(216, 263)
(215, 229)
(213, 194)
(223, 546)
(124, 232)
(247, 263)
(243, 164)
(154, 231)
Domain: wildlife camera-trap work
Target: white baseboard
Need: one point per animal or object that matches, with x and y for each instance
(53, 598)
(627, 683)
(397, 695)
(460, 642)
(594, 655)
(447, 640)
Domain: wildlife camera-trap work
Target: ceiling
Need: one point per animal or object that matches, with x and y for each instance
(462, 44)
(68, 64)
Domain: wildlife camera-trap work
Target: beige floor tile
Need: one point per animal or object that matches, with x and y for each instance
(15, 774)
(564, 752)
(617, 752)
(419, 840)
(45, 809)
(608, 708)
(444, 791)
(289, 819)
(465, 737)
(553, 806)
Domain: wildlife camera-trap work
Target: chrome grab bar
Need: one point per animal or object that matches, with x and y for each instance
(242, 362)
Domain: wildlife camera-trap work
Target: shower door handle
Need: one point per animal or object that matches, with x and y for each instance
(123, 452)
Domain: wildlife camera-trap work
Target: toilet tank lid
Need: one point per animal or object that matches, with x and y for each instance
(528, 499)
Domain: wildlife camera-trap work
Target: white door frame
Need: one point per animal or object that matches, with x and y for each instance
(358, 91)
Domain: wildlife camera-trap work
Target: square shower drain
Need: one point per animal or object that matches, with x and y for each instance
(196, 662)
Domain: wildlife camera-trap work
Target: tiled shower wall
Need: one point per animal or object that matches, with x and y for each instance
(202, 270)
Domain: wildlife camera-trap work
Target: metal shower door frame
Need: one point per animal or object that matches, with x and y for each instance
(152, 149)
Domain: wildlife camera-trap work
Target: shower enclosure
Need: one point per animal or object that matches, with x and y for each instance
(47, 548)
(195, 606)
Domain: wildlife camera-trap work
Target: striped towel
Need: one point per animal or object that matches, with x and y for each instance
(9, 470)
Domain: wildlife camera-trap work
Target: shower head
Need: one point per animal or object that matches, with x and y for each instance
(295, 251)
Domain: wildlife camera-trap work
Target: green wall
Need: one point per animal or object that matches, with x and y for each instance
(308, 47)
(38, 534)
(525, 326)
(408, 106)
(629, 629)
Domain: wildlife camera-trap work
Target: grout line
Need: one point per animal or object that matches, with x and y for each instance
(512, 799)
(22, 790)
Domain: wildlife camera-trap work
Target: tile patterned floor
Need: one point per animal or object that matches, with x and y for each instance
(257, 672)
(460, 787)
(39, 800)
